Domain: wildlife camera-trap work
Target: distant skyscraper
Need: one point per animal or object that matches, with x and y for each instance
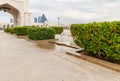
(39, 19)
(11, 20)
(43, 18)
(35, 20)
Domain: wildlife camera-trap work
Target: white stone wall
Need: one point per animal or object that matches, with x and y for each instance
(20, 11)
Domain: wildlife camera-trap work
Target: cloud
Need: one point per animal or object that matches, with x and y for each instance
(78, 10)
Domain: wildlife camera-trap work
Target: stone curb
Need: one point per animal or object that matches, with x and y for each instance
(61, 44)
(109, 65)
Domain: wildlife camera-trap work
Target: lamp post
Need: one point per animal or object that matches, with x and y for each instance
(58, 21)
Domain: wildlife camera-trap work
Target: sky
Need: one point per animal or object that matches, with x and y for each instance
(73, 11)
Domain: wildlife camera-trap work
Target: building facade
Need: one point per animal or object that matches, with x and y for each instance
(19, 9)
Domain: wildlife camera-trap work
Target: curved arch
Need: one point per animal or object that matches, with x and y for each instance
(13, 11)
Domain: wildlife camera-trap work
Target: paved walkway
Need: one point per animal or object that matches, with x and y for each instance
(21, 60)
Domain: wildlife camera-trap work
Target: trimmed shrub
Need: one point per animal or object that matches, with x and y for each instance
(20, 31)
(101, 39)
(75, 29)
(9, 30)
(58, 30)
(37, 33)
(12, 30)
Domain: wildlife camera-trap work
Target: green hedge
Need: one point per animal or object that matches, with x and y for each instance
(101, 39)
(20, 31)
(58, 30)
(9, 30)
(36, 33)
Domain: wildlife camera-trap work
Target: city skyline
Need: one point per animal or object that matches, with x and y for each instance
(73, 11)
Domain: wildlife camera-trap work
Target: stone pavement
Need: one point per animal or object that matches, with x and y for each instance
(21, 60)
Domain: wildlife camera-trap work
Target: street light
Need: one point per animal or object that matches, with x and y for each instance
(58, 21)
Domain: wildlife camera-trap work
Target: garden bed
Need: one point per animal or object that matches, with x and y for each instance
(100, 39)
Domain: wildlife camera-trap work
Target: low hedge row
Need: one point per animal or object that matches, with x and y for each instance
(101, 39)
(36, 33)
(20, 31)
(9, 30)
(76, 29)
(58, 30)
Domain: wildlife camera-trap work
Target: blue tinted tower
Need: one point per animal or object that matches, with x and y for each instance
(35, 20)
(43, 18)
(39, 19)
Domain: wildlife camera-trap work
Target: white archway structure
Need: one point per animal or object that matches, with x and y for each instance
(19, 9)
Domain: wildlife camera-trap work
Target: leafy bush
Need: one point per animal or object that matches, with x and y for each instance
(36, 33)
(20, 31)
(12, 30)
(76, 29)
(58, 30)
(101, 39)
(9, 30)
